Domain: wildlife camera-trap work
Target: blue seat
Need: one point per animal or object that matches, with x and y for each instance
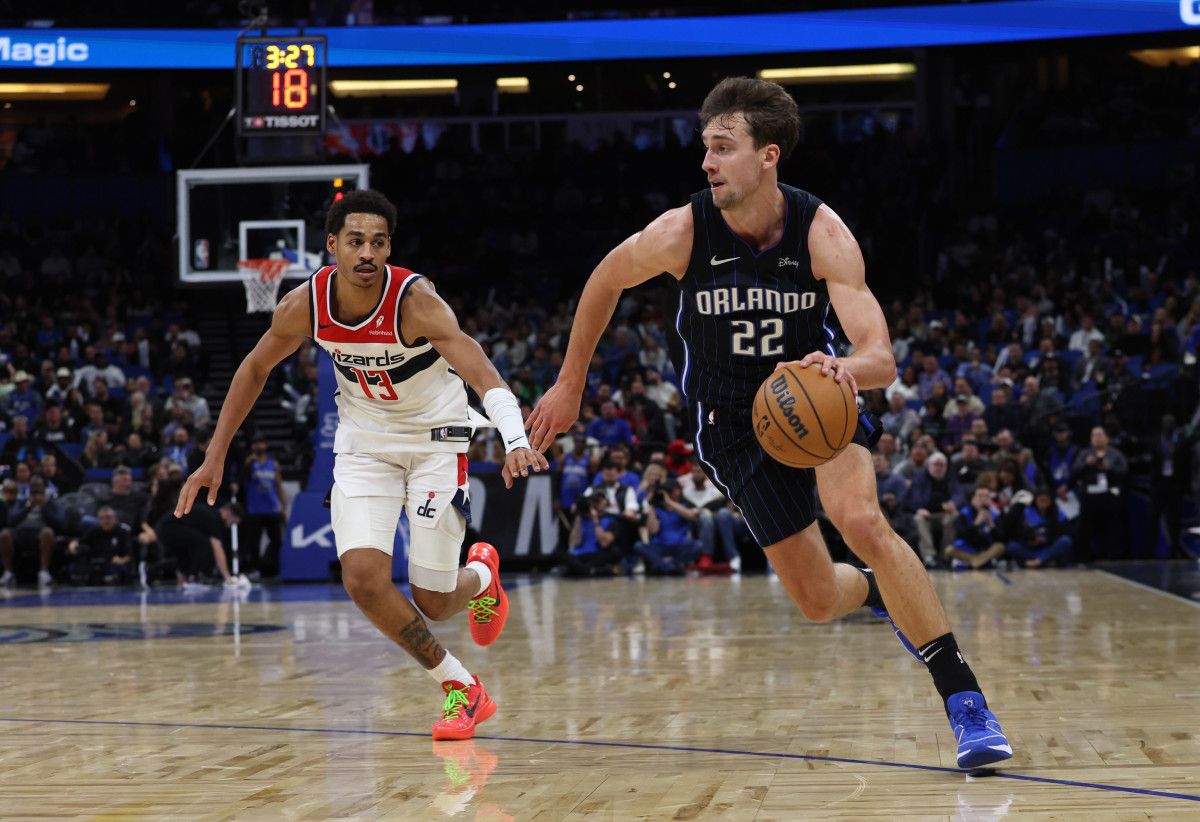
(71, 449)
(97, 475)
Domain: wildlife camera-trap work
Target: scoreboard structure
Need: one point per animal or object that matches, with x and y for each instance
(281, 85)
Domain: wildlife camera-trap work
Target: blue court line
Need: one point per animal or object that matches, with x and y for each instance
(1003, 578)
(630, 745)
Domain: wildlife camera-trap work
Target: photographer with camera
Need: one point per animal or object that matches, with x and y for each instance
(670, 547)
(613, 498)
(591, 550)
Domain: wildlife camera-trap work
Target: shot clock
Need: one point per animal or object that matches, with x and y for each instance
(281, 85)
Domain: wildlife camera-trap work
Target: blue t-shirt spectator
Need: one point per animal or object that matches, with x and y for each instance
(574, 479)
(609, 429)
(673, 528)
(587, 529)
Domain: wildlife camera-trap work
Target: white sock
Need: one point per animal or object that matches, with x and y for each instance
(485, 575)
(450, 668)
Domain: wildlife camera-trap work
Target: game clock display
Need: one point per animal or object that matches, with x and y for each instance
(281, 85)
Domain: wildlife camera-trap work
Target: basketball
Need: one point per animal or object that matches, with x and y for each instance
(804, 419)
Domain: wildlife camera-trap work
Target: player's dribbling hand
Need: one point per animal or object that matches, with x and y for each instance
(830, 366)
(519, 462)
(206, 476)
(555, 412)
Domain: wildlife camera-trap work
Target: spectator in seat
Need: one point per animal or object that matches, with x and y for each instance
(63, 381)
(909, 468)
(181, 447)
(1090, 365)
(23, 400)
(718, 527)
(619, 501)
(574, 469)
(608, 429)
(978, 532)
(670, 547)
(1043, 534)
(679, 458)
(1060, 456)
(1003, 412)
(108, 547)
(185, 396)
(934, 498)
(21, 445)
(968, 463)
(129, 505)
(55, 428)
(887, 482)
(900, 420)
(97, 453)
(32, 524)
(592, 550)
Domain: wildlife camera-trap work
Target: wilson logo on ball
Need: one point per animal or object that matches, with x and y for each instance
(787, 405)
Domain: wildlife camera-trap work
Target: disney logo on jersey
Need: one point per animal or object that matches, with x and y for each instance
(718, 301)
(788, 261)
(384, 360)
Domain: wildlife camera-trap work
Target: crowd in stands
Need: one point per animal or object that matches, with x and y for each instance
(1049, 348)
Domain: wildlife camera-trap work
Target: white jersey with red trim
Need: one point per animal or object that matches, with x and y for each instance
(391, 396)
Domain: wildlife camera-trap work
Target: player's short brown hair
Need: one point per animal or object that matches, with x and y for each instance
(770, 112)
(365, 201)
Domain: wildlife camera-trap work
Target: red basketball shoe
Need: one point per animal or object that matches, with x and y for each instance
(465, 706)
(489, 611)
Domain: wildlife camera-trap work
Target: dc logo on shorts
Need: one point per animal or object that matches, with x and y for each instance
(427, 510)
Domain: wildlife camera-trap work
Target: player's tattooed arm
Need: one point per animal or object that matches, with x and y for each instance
(420, 644)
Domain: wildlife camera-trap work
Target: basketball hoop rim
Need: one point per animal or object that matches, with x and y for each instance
(264, 269)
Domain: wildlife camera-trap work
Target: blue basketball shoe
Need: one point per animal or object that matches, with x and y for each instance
(908, 646)
(980, 740)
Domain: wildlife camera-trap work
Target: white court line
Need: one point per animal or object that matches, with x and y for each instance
(1174, 597)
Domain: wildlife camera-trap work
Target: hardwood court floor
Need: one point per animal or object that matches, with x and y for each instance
(620, 699)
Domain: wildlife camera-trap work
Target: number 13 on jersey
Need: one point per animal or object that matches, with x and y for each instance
(378, 378)
(761, 339)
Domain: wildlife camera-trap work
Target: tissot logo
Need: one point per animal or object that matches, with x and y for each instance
(42, 52)
(289, 121)
(1189, 12)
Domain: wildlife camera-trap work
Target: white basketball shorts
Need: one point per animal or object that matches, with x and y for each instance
(370, 491)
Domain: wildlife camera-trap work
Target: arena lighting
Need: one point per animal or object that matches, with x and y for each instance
(863, 73)
(54, 91)
(513, 85)
(1161, 58)
(392, 88)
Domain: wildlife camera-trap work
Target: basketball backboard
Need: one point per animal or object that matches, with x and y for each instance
(230, 214)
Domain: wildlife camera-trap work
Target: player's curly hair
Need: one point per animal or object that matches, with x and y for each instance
(770, 112)
(366, 201)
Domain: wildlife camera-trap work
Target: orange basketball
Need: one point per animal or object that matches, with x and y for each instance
(803, 419)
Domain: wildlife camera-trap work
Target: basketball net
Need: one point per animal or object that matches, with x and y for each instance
(261, 279)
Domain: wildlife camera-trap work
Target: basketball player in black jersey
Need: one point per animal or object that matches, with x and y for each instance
(767, 274)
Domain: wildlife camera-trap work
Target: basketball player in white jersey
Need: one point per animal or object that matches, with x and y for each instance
(402, 435)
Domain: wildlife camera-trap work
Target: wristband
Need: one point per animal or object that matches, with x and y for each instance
(504, 412)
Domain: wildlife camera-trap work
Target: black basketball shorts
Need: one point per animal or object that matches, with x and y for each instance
(775, 500)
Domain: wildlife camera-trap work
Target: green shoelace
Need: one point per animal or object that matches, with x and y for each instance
(454, 698)
(481, 609)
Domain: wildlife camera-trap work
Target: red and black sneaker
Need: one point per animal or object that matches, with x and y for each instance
(489, 611)
(465, 706)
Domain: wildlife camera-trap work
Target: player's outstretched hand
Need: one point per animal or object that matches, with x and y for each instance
(830, 366)
(206, 476)
(518, 463)
(555, 412)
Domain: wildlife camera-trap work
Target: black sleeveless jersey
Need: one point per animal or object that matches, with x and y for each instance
(740, 312)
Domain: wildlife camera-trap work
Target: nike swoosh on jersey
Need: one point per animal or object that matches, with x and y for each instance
(514, 439)
(715, 261)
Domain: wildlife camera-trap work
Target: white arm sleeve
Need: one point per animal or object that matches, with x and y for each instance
(504, 411)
